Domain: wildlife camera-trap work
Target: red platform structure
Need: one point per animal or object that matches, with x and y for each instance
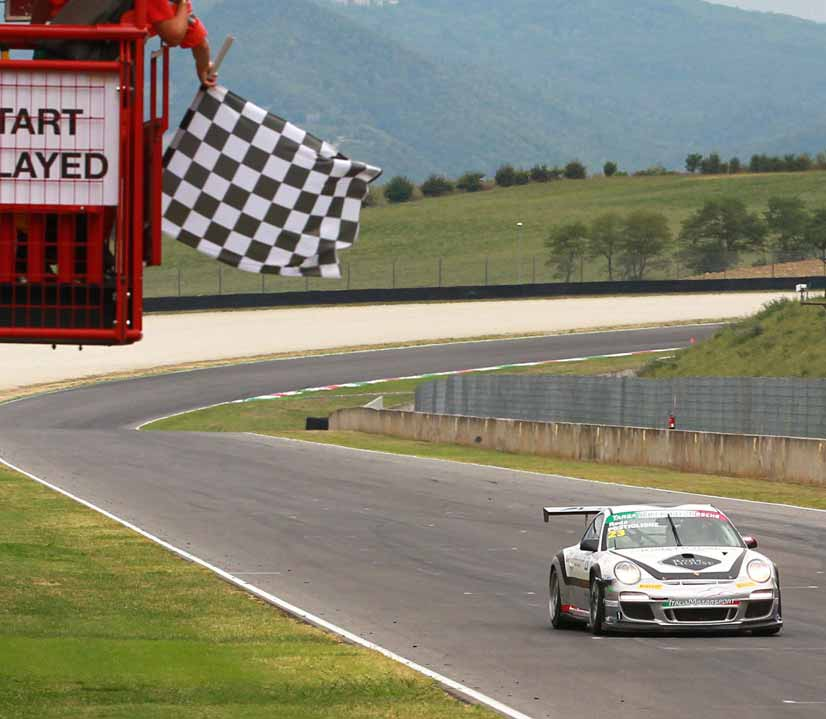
(80, 183)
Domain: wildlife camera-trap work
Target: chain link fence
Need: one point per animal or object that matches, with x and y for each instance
(212, 278)
(760, 406)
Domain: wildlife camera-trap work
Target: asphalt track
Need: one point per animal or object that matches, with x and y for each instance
(445, 564)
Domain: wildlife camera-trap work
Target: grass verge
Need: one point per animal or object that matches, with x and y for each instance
(95, 621)
(285, 418)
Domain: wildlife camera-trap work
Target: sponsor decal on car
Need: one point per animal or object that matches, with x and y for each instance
(699, 602)
(648, 517)
(692, 562)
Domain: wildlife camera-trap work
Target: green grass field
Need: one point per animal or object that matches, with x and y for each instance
(785, 339)
(98, 623)
(475, 235)
(285, 418)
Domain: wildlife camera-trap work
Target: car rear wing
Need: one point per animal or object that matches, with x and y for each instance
(548, 512)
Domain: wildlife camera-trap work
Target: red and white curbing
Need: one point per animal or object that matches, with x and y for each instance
(496, 368)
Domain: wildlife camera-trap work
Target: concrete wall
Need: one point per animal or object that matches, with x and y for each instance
(785, 459)
(733, 405)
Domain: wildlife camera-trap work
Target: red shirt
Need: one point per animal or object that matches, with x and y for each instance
(157, 11)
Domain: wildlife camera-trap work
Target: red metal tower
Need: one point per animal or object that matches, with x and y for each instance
(80, 183)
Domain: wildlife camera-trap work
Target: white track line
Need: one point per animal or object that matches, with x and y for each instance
(285, 606)
(541, 475)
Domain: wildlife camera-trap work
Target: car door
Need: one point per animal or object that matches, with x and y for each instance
(579, 563)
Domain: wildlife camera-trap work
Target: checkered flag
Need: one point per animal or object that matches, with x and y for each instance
(258, 193)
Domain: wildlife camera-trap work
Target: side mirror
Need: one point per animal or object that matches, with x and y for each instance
(589, 545)
(751, 542)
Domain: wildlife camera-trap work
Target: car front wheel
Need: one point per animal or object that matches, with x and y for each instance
(597, 606)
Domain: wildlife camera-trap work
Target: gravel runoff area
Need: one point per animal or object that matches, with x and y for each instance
(177, 339)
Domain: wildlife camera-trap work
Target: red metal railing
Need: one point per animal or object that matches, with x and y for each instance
(71, 265)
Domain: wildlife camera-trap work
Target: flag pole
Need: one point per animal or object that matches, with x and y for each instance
(222, 53)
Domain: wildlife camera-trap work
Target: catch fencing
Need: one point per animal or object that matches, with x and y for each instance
(757, 406)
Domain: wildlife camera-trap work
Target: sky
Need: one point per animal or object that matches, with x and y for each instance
(808, 9)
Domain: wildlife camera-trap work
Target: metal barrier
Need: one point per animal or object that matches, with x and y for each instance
(734, 405)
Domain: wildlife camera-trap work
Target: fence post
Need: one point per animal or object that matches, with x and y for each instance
(440, 272)
(263, 288)
(487, 260)
(220, 280)
(348, 275)
(179, 282)
(394, 274)
(533, 269)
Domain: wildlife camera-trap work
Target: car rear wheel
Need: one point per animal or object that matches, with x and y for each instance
(597, 606)
(558, 619)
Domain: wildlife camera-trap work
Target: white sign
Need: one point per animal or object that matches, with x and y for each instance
(59, 138)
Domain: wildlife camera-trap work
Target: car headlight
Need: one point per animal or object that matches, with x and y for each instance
(759, 570)
(627, 573)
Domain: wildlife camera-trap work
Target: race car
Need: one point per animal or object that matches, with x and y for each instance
(641, 567)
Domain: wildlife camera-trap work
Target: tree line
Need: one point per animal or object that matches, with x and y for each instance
(712, 239)
(402, 189)
(713, 164)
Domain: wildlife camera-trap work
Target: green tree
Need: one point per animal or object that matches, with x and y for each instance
(540, 173)
(788, 219)
(734, 166)
(646, 236)
(505, 176)
(470, 181)
(711, 165)
(604, 238)
(712, 238)
(436, 186)
(693, 161)
(399, 189)
(609, 169)
(521, 177)
(566, 245)
(816, 232)
(575, 170)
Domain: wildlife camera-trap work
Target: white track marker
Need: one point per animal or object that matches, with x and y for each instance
(285, 606)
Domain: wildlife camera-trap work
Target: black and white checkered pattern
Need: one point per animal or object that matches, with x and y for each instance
(258, 193)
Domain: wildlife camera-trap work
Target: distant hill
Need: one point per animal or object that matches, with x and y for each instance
(430, 85)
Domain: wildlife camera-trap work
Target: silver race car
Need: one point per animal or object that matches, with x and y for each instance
(662, 568)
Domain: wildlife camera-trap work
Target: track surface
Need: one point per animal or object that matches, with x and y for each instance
(443, 563)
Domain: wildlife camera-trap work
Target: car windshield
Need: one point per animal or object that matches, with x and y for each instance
(670, 528)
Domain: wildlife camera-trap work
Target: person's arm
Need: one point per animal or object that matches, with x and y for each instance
(203, 64)
(173, 31)
(40, 12)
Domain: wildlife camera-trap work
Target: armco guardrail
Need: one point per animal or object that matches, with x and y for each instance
(476, 292)
(780, 406)
(785, 459)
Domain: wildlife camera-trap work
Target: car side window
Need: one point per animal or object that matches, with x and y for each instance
(594, 529)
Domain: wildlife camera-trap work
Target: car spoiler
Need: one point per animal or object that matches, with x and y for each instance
(548, 512)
